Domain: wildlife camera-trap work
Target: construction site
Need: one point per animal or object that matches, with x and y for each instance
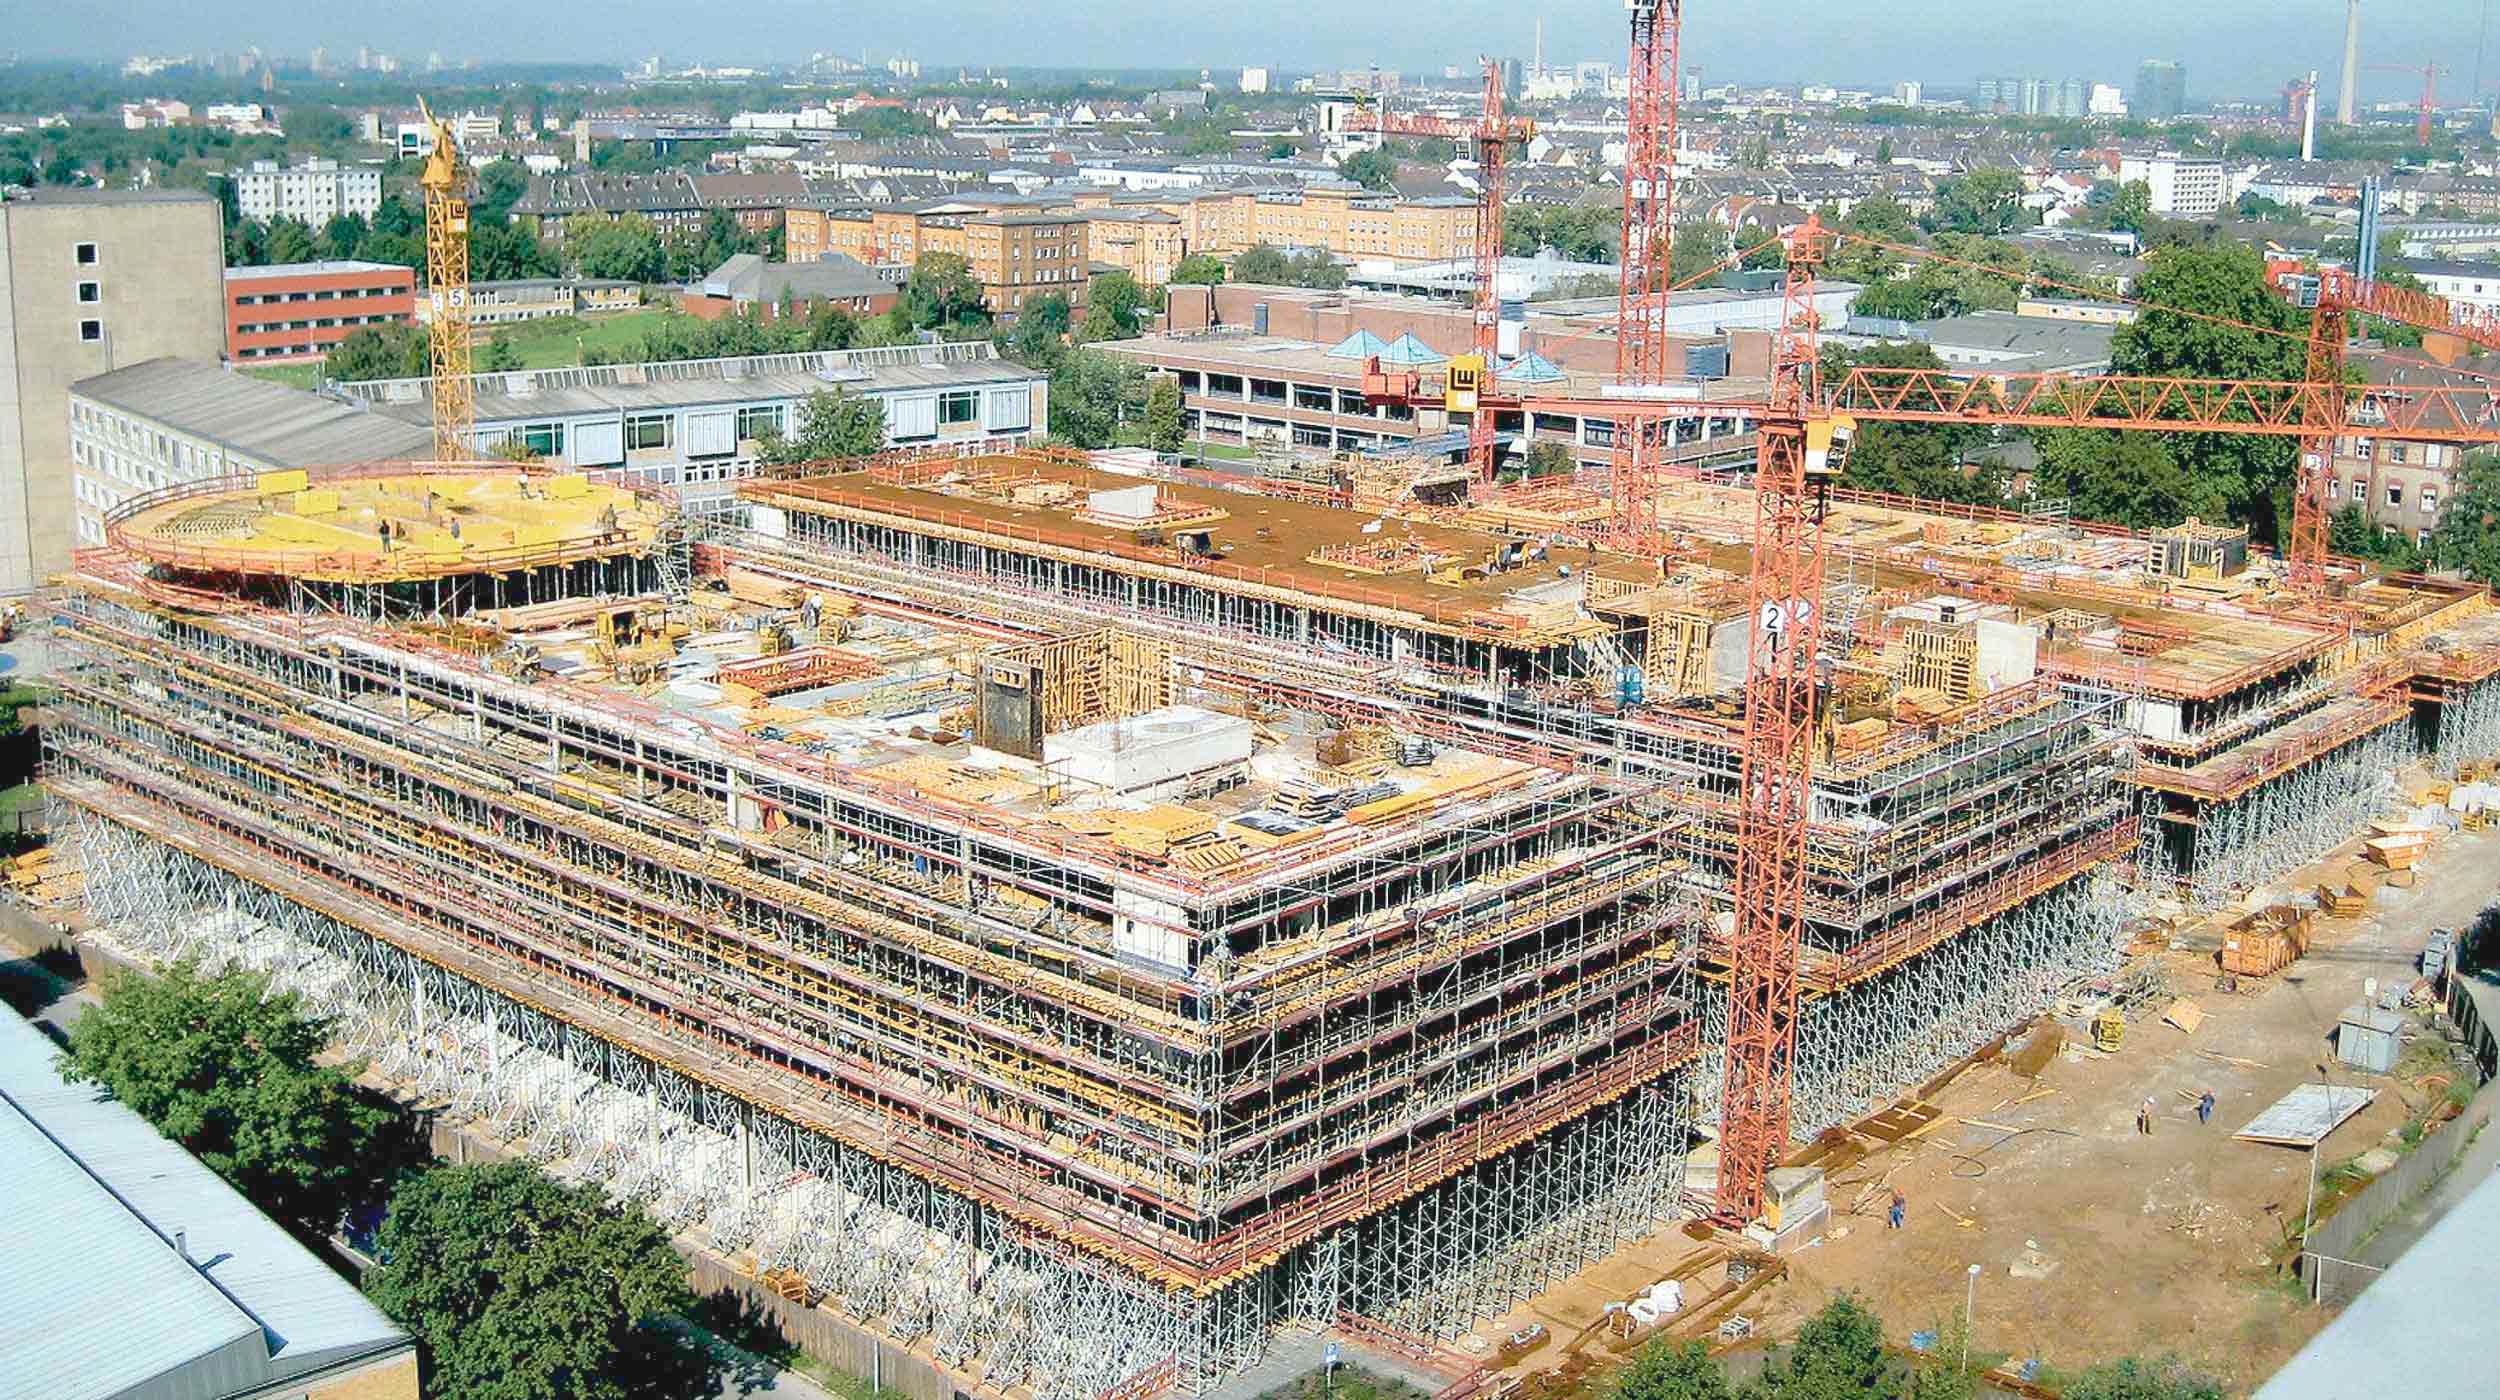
(1085, 926)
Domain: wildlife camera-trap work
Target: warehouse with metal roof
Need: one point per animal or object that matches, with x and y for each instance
(129, 1270)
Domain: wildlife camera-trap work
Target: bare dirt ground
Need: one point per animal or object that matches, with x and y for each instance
(2094, 1241)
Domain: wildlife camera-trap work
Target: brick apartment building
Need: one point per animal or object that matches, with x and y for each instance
(1144, 243)
(1019, 256)
(298, 311)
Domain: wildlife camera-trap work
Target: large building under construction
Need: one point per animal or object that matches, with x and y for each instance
(1081, 925)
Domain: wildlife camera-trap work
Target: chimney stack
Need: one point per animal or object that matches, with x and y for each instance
(2352, 62)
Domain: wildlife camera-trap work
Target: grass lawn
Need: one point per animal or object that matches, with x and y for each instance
(306, 375)
(559, 341)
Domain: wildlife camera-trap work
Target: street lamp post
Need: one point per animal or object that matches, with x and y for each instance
(1970, 1314)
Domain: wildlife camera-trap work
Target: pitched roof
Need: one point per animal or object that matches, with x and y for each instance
(156, 1277)
(274, 425)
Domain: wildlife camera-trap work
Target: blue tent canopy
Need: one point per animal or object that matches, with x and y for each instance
(1531, 368)
(1362, 345)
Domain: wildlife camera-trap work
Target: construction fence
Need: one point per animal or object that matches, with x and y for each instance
(2334, 1276)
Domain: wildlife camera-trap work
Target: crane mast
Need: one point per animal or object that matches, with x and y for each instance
(1648, 241)
(445, 182)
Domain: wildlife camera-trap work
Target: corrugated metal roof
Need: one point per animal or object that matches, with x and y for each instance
(588, 400)
(95, 1299)
(270, 423)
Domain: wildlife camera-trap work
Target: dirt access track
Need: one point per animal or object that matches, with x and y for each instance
(2094, 1241)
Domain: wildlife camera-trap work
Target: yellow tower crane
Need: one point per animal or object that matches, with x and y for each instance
(447, 292)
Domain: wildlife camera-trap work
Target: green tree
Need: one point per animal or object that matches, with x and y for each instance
(832, 425)
(1090, 393)
(2212, 316)
(1165, 425)
(1040, 330)
(500, 185)
(1925, 460)
(1546, 459)
(1373, 170)
(2123, 478)
(1699, 246)
(2133, 1378)
(626, 247)
(1987, 201)
(2354, 536)
(942, 292)
(1313, 267)
(290, 241)
(343, 235)
(1839, 1355)
(2131, 208)
(1116, 308)
(247, 244)
(311, 124)
(519, 1287)
(1669, 1370)
(2468, 535)
(1282, 148)
(379, 352)
(1883, 150)
(500, 354)
(1199, 269)
(1264, 265)
(225, 1066)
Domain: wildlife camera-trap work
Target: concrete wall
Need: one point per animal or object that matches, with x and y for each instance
(160, 271)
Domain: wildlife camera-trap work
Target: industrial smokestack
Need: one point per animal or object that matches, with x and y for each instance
(2309, 119)
(2352, 62)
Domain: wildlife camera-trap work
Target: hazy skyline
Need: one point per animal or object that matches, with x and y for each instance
(2233, 48)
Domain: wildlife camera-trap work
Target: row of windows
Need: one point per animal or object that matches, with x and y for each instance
(2428, 497)
(322, 323)
(325, 294)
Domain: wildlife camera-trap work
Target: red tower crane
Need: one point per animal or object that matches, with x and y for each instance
(2429, 74)
(1802, 426)
(1472, 375)
(1648, 241)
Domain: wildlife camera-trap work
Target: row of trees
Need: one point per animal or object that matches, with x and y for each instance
(1272, 267)
(1840, 1355)
(515, 1285)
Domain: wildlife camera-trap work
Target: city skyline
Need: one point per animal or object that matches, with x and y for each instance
(1869, 44)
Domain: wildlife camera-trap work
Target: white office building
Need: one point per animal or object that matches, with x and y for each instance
(315, 192)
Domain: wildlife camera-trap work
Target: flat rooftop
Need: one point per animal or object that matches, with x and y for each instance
(385, 524)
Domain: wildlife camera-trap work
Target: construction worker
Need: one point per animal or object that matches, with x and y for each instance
(1900, 1208)
(2205, 1107)
(2144, 1118)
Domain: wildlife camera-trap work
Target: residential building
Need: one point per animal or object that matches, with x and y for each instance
(89, 280)
(156, 1278)
(2183, 187)
(300, 311)
(537, 298)
(1144, 243)
(2400, 486)
(896, 233)
(2464, 283)
(1020, 256)
(695, 424)
(167, 421)
(668, 198)
(2160, 90)
(313, 193)
(747, 282)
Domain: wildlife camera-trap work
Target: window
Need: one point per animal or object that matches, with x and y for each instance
(759, 422)
(86, 255)
(962, 406)
(542, 439)
(647, 431)
(2395, 452)
(2360, 492)
(91, 330)
(2430, 500)
(2395, 495)
(91, 291)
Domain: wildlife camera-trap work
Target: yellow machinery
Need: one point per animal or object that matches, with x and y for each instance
(2109, 1030)
(447, 292)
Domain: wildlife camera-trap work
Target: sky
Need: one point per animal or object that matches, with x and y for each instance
(2233, 48)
